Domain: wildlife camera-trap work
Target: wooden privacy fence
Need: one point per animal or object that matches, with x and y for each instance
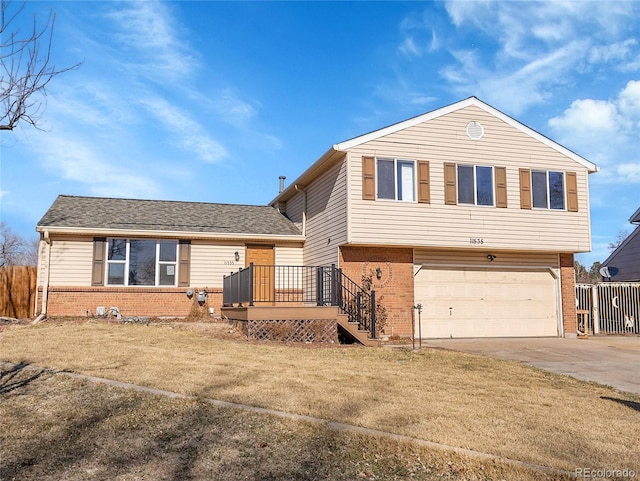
(17, 291)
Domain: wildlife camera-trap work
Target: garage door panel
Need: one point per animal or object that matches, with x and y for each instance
(471, 302)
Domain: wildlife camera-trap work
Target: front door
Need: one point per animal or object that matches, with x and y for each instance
(263, 259)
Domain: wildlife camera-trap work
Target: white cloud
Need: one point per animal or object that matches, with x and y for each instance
(606, 131)
(589, 117)
(629, 100)
(150, 29)
(78, 161)
(538, 46)
(186, 133)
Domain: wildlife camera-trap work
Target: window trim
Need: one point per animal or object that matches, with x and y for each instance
(127, 260)
(475, 185)
(396, 162)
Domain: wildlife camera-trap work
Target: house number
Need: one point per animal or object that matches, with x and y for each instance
(476, 241)
(229, 263)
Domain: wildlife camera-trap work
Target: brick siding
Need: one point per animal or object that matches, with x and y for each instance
(568, 290)
(395, 288)
(152, 302)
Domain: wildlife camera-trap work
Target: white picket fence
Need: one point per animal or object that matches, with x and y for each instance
(609, 307)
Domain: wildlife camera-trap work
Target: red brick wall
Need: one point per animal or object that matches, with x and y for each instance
(568, 290)
(394, 290)
(152, 302)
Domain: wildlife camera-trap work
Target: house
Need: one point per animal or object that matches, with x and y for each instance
(463, 210)
(623, 265)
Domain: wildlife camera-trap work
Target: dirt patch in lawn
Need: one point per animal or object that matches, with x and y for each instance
(473, 402)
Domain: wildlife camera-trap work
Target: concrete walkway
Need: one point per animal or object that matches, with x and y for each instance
(614, 361)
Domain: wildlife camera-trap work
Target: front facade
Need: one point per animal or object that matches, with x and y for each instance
(462, 210)
(143, 256)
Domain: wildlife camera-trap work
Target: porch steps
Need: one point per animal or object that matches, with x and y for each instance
(359, 335)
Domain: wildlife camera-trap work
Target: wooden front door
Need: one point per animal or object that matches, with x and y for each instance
(263, 258)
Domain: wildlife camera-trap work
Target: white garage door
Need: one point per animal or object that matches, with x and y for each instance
(472, 302)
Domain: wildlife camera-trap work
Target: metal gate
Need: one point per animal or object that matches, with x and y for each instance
(609, 308)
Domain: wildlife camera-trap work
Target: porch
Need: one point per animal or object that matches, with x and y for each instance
(300, 304)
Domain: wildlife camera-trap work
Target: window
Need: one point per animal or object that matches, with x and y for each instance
(396, 179)
(475, 185)
(141, 262)
(547, 189)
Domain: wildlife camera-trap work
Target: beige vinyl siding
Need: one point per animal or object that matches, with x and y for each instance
(289, 256)
(295, 208)
(71, 262)
(443, 140)
(210, 262)
(430, 257)
(43, 263)
(327, 216)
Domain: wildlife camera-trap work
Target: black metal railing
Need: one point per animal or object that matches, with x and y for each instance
(310, 285)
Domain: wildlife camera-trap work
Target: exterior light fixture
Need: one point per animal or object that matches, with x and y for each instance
(237, 255)
(378, 273)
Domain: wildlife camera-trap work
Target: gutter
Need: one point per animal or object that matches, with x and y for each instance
(92, 231)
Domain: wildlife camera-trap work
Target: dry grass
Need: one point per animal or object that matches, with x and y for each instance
(492, 406)
(58, 428)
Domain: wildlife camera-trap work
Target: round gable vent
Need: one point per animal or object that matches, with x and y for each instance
(475, 130)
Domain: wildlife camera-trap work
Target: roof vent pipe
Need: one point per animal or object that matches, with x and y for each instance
(282, 177)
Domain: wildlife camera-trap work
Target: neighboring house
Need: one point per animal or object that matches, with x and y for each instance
(462, 210)
(623, 265)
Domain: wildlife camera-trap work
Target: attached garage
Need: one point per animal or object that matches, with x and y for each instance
(487, 302)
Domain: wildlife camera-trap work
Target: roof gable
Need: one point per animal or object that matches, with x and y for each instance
(71, 213)
(471, 101)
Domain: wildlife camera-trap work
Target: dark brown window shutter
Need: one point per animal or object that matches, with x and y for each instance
(368, 178)
(501, 186)
(99, 252)
(525, 189)
(572, 192)
(450, 183)
(184, 260)
(424, 189)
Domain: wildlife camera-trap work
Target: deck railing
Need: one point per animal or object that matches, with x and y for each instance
(307, 285)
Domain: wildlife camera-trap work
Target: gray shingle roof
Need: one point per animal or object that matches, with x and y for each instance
(162, 215)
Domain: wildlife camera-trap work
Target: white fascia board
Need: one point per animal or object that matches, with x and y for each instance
(84, 231)
(471, 101)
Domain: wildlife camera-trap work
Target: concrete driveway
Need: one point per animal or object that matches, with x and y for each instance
(614, 361)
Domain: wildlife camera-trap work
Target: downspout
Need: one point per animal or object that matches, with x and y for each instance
(304, 208)
(45, 285)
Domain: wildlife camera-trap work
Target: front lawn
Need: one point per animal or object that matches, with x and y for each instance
(492, 406)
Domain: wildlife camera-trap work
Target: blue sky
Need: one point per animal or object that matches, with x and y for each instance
(212, 101)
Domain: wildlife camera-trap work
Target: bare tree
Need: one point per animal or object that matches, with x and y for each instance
(25, 67)
(584, 276)
(15, 250)
(622, 235)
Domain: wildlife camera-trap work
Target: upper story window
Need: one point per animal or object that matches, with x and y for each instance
(396, 179)
(141, 262)
(547, 189)
(475, 184)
